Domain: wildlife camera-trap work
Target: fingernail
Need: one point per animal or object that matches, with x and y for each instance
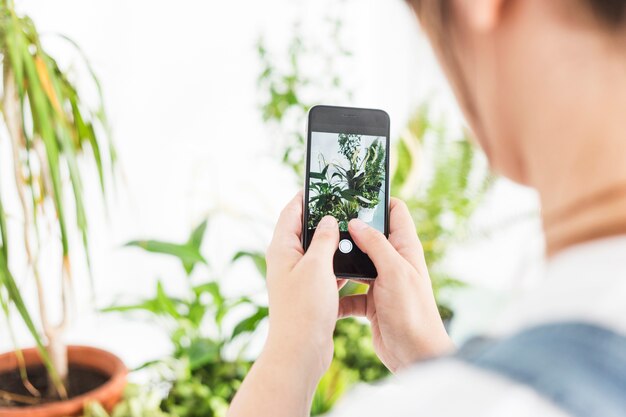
(328, 222)
(359, 224)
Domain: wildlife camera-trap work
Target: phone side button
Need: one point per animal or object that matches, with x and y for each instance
(345, 246)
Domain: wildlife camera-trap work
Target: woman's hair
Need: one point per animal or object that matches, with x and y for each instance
(612, 12)
(609, 12)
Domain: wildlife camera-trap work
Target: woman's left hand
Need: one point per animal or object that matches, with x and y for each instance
(304, 303)
(303, 291)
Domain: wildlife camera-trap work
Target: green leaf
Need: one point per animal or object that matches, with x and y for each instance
(4, 243)
(166, 302)
(250, 323)
(187, 254)
(219, 301)
(257, 257)
(14, 44)
(212, 288)
(197, 235)
(161, 304)
(151, 306)
(7, 281)
(100, 113)
(202, 351)
(195, 241)
(331, 387)
(43, 121)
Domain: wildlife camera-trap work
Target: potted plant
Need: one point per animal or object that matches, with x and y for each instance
(50, 128)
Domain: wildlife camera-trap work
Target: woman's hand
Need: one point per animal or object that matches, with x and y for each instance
(304, 301)
(304, 306)
(302, 288)
(400, 304)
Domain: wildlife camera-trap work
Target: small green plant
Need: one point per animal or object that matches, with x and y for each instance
(138, 401)
(365, 175)
(344, 212)
(201, 380)
(325, 195)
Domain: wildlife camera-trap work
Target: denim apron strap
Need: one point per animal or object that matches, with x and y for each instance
(577, 366)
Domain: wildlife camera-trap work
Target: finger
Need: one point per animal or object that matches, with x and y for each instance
(353, 306)
(374, 244)
(402, 234)
(289, 224)
(325, 240)
(286, 246)
(341, 283)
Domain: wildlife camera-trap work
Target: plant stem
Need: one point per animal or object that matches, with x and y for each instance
(9, 396)
(12, 113)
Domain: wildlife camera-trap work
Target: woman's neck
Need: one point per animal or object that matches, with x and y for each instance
(597, 216)
(581, 177)
(575, 152)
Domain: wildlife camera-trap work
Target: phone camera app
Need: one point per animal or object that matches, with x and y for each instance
(347, 180)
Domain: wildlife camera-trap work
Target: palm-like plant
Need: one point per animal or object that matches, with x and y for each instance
(364, 176)
(50, 127)
(374, 174)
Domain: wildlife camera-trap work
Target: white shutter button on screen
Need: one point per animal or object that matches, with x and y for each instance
(345, 246)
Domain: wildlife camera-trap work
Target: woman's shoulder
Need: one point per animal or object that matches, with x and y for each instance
(445, 387)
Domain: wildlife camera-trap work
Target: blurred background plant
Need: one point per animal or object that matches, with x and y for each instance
(51, 128)
(198, 378)
(442, 179)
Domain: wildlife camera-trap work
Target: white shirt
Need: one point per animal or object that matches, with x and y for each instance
(586, 282)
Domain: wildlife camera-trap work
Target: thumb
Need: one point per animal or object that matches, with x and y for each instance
(325, 239)
(373, 243)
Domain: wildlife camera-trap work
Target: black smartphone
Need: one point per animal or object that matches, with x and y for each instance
(347, 176)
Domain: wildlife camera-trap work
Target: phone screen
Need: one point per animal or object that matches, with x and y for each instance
(347, 178)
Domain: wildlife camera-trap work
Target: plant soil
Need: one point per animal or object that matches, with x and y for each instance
(81, 380)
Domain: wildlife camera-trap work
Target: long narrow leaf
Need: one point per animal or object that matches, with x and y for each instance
(7, 281)
(4, 246)
(185, 253)
(250, 323)
(43, 125)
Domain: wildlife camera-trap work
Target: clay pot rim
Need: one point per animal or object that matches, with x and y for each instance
(116, 377)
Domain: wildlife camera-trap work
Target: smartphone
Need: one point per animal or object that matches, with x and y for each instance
(347, 176)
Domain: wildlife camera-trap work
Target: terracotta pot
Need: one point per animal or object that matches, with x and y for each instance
(100, 360)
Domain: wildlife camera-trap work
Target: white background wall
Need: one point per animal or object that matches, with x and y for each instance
(180, 86)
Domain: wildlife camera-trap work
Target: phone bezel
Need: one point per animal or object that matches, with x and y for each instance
(338, 119)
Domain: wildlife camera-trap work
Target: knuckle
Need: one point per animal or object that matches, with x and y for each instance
(323, 234)
(288, 210)
(311, 259)
(401, 204)
(374, 236)
(408, 270)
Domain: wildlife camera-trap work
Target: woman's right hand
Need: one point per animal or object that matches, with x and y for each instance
(406, 326)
